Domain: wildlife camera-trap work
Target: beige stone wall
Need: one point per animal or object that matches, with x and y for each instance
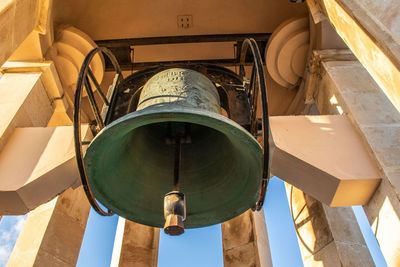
(352, 91)
(372, 35)
(23, 103)
(358, 95)
(139, 246)
(52, 233)
(129, 19)
(17, 20)
(245, 241)
(386, 13)
(327, 236)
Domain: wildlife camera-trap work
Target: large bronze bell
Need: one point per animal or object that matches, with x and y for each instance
(176, 146)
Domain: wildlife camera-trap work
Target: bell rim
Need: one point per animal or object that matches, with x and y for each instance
(173, 112)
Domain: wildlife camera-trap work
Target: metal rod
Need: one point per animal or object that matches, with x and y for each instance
(132, 107)
(129, 66)
(254, 103)
(250, 44)
(82, 77)
(177, 162)
(96, 84)
(183, 39)
(93, 104)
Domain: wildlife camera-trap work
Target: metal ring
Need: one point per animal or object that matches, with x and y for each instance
(261, 82)
(82, 79)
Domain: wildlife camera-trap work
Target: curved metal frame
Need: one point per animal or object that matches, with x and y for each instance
(258, 81)
(84, 78)
(257, 85)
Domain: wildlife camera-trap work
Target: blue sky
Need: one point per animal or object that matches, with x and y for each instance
(10, 227)
(197, 247)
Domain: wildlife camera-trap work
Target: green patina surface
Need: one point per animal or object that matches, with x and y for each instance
(130, 166)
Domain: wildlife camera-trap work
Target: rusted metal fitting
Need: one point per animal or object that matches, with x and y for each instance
(174, 213)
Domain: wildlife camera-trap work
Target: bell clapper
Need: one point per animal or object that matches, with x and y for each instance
(174, 202)
(174, 213)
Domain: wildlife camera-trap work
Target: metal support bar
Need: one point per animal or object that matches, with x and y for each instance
(122, 48)
(96, 83)
(183, 39)
(258, 79)
(177, 161)
(93, 105)
(83, 80)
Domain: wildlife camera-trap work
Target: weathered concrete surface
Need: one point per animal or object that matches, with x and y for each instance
(345, 176)
(36, 165)
(327, 236)
(313, 79)
(51, 84)
(49, 77)
(372, 35)
(26, 26)
(52, 233)
(245, 241)
(18, 18)
(386, 13)
(347, 87)
(23, 103)
(209, 17)
(139, 246)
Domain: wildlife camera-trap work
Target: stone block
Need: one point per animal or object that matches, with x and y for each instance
(361, 96)
(61, 237)
(245, 241)
(51, 84)
(377, 121)
(238, 231)
(138, 247)
(145, 236)
(370, 110)
(53, 232)
(31, 177)
(385, 142)
(327, 236)
(325, 157)
(18, 18)
(49, 77)
(242, 256)
(7, 9)
(376, 47)
(23, 103)
(326, 257)
(308, 214)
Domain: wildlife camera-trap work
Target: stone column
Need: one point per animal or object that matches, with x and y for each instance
(347, 87)
(53, 232)
(119, 235)
(370, 29)
(245, 241)
(17, 20)
(327, 236)
(139, 245)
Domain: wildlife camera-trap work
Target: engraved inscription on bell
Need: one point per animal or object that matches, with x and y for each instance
(187, 87)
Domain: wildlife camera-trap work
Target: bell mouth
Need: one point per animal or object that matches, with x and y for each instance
(130, 166)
